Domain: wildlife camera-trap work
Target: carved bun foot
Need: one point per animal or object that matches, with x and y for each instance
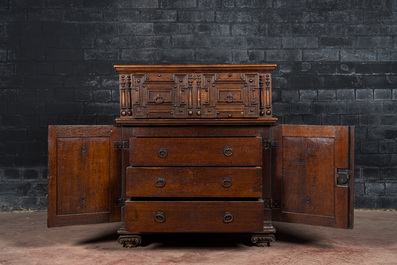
(130, 241)
(263, 240)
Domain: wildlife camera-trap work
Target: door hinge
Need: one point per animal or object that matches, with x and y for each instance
(271, 204)
(120, 202)
(342, 177)
(272, 143)
(121, 145)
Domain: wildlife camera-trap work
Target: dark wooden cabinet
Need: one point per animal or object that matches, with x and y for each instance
(196, 150)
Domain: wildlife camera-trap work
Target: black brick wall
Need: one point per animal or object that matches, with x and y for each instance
(337, 64)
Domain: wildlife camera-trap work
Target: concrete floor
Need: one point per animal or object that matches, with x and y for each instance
(25, 239)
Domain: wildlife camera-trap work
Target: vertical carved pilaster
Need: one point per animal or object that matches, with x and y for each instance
(261, 95)
(123, 85)
(268, 95)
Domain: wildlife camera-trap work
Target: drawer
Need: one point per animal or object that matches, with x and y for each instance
(194, 216)
(237, 151)
(194, 182)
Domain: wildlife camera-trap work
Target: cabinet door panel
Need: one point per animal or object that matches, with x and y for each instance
(84, 175)
(306, 166)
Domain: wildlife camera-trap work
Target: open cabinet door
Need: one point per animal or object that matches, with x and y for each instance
(312, 175)
(83, 175)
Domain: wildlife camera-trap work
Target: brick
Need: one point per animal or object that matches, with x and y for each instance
(64, 54)
(101, 54)
(281, 108)
(83, 15)
(301, 107)
(7, 95)
(337, 41)
(391, 188)
(98, 29)
(305, 81)
(177, 55)
(330, 119)
(370, 42)
(388, 146)
(299, 42)
(382, 132)
(361, 132)
(248, 56)
(330, 107)
(375, 189)
(215, 4)
(326, 95)
(177, 4)
(128, 15)
(12, 174)
(158, 16)
(61, 108)
(30, 174)
(349, 120)
(133, 29)
(182, 28)
(101, 108)
(321, 55)
(311, 119)
(364, 94)
(249, 29)
(97, 3)
(387, 55)
(369, 147)
(294, 119)
(253, 3)
(102, 95)
(359, 189)
(214, 56)
(140, 55)
(368, 120)
(388, 119)
(233, 17)
(64, 94)
(345, 68)
(28, 203)
(345, 94)
(389, 173)
(289, 95)
(357, 55)
(382, 94)
(308, 95)
(379, 81)
(264, 43)
(283, 55)
(138, 3)
(326, 68)
(364, 108)
(389, 107)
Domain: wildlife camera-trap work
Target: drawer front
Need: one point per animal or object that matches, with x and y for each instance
(196, 151)
(194, 182)
(194, 216)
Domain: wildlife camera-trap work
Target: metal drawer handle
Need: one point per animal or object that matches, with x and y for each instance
(162, 153)
(160, 182)
(228, 150)
(228, 217)
(159, 99)
(227, 183)
(159, 217)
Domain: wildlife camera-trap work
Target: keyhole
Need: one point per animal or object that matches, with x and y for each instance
(82, 200)
(83, 150)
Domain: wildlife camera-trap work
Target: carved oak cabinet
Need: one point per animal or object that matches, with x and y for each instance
(196, 149)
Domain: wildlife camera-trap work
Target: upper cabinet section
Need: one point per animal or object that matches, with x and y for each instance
(195, 92)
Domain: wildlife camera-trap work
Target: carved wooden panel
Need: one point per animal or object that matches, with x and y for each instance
(224, 92)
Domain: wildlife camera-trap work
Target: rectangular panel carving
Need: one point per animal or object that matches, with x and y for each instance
(220, 91)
